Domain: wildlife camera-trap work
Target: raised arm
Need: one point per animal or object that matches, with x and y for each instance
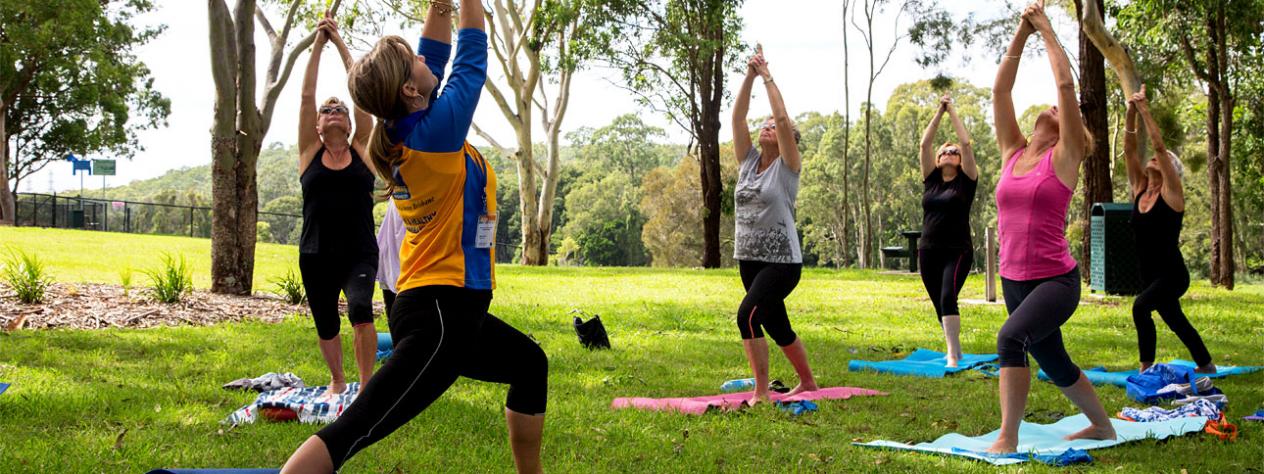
(1173, 191)
(741, 131)
(968, 165)
(438, 19)
(451, 114)
(363, 121)
(1132, 156)
(785, 127)
(472, 15)
(1072, 140)
(1009, 138)
(927, 155)
(308, 139)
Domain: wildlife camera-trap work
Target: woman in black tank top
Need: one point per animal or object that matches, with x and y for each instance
(945, 253)
(1157, 212)
(338, 248)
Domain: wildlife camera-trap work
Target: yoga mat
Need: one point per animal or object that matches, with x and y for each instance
(1101, 376)
(733, 401)
(1258, 416)
(214, 471)
(922, 363)
(384, 345)
(1045, 441)
(3, 387)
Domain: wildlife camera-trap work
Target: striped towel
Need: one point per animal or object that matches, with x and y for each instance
(308, 404)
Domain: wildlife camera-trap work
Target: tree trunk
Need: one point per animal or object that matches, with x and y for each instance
(8, 205)
(846, 135)
(1219, 132)
(1093, 107)
(535, 247)
(866, 237)
(233, 217)
(712, 189)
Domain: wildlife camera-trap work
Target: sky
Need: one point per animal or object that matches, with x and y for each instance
(803, 45)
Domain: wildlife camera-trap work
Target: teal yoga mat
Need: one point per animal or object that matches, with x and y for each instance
(922, 363)
(1101, 376)
(1044, 442)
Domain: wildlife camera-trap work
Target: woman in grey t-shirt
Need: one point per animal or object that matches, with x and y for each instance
(766, 243)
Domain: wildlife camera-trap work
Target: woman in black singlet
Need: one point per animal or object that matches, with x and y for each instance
(945, 253)
(1159, 207)
(338, 247)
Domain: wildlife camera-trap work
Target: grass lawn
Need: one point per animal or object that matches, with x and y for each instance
(131, 400)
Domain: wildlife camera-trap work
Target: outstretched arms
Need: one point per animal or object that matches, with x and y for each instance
(741, 131)
(1173, 192)
(785, 127)
(363, 121)
(927, 155)
(1008, 137)
(308, 139)
(1072, 140)
(968, 165)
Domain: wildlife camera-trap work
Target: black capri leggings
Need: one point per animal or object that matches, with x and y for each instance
(1037, 310)
(764, 307)
(439, 333)
(944, 273)
(1163, 294)
(327, 275)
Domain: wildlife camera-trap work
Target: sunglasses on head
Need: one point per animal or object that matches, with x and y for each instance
(333, 109)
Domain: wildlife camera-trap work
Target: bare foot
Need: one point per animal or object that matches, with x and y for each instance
(1146, 365)
(1210, 368)
(337, 387)
(951, 361)
(1093, 432)
(758, 398)
(802, 387)
(1003, 446)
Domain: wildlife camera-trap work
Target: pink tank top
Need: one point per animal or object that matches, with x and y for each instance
(1031, 216)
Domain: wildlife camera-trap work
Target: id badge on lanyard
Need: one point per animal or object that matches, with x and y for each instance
(486, 235)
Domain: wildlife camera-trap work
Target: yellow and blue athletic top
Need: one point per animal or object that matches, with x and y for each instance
(444, 186)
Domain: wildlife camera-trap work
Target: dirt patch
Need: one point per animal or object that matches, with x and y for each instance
(94, 306)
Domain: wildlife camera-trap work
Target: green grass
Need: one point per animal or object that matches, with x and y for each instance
(673, 335)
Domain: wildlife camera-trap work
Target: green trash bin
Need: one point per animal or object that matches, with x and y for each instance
(1114, 250)
(76, 218)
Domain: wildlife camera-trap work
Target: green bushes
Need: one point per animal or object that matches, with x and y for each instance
(27, 276)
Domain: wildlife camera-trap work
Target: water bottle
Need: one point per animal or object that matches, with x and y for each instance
(737, 385)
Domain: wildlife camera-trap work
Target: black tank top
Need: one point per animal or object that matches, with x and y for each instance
(337, 208)
(1158, 238)
(946, 211)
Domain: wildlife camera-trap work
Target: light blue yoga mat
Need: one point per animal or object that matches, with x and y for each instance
(214, 471)
(922, 363)
(1101, 376)
(1045, 441)
(384, 346)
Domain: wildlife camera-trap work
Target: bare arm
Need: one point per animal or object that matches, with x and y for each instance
(1008, 136)
(1072, 140)
(785, 127)
(437, 22)
(363, 121)
(741, 131)
(308, 139)
(472, 15)
(968, 165)
(1173, 191)
(927, 155)
(1132, 156)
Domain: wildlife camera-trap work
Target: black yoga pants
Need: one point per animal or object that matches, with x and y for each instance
(325, 276)
(439, 333)
(944, 273)
(764, 307)
(1037, 310)
(1163, 294)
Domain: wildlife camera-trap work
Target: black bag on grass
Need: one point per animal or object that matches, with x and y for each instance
(592, 334)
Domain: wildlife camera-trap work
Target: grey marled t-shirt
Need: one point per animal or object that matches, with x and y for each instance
(764, 204)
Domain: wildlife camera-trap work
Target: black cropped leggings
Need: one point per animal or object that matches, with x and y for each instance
(764, 307)
(944, 273)
(1163, 294)
(439, 333)
(1037, 311)
(325, 276)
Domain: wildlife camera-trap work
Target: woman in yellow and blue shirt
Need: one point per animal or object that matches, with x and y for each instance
(445, 193)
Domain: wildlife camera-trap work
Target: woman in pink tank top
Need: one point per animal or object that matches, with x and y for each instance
(1039, 278)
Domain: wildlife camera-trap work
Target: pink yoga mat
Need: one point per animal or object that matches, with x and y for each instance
(733, 401)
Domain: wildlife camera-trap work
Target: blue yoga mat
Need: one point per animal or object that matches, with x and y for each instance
(384, 346)
(922, 363)
(214, 471)
(1101, 376)
(1044, 442)
(3, 387)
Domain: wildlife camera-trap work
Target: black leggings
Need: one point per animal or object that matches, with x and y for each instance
(1163, 294)
(1037, 310)
(944, 273)
(767, 286)
(388, 300)
(439, 333)
(327, 275)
